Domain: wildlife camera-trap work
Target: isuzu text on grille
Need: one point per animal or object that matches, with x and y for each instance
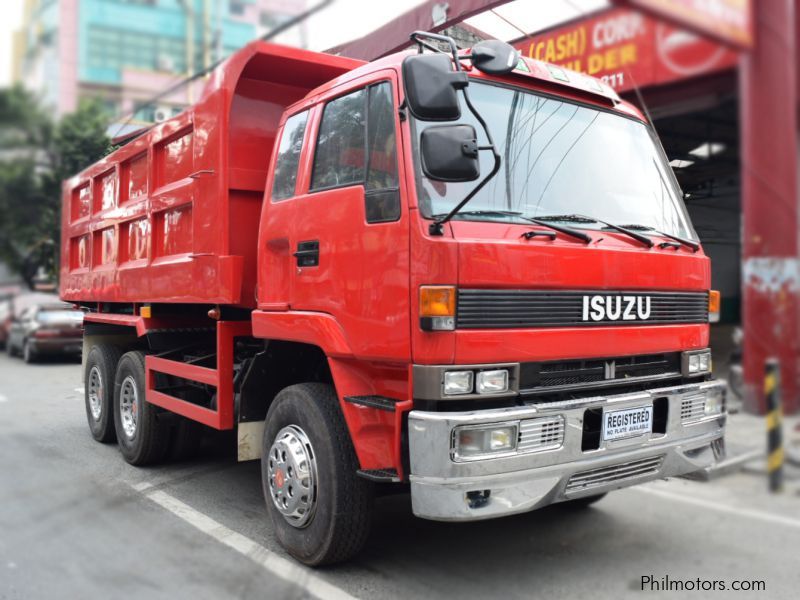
(615, 308)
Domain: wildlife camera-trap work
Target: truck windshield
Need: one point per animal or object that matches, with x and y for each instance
(562, 159)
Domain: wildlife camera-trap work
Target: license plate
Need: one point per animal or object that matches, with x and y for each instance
(627, 423)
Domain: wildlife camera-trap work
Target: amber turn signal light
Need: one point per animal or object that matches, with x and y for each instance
(437, 307)
(714, 303)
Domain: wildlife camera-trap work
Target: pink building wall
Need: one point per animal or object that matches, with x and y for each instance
(68, 53)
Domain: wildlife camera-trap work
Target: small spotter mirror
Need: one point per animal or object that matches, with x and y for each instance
(494, 57)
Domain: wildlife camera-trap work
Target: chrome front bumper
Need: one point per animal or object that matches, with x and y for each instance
(445, 490)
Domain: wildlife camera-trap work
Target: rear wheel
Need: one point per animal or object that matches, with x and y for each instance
(187, 435)
(143, 439)
(101, 366)
(319, 507)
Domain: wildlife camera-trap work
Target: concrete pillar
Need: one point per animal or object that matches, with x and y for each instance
(771, 273)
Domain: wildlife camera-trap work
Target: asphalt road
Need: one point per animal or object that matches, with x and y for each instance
(77, 522)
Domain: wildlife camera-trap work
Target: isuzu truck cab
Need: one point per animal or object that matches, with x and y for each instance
(464, 274)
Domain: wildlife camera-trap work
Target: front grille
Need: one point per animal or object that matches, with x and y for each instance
(616, 473)
(504, 309)
(693, 408)
(547, 377)
(540, 434)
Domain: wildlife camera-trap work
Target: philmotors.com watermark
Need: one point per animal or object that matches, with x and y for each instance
(651, 583)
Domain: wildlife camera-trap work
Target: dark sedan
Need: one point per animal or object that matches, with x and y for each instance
(46, 329)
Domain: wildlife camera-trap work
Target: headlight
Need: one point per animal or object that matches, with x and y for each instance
(484, 441)
(457, 382)
(492, 382)
(696, 362)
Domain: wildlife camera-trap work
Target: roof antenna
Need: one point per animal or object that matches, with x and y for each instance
(640, 98)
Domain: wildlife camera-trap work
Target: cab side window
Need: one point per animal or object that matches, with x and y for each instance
(339, 159)
(357, 144)
(285, 180)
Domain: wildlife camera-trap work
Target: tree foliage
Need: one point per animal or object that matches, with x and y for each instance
(36, 154)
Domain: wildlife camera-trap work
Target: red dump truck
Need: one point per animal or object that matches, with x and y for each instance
(467, 275)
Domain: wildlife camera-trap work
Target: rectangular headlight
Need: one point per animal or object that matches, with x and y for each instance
(473, 442)
(696, 362)
(457, 382)
(492, 382)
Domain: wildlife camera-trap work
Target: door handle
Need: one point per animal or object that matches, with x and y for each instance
(307, 254)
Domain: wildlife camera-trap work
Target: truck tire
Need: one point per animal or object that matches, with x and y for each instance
(98, 377)
(142, 438)
(187, 436)
(320, 509)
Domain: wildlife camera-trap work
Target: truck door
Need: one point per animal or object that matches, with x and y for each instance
(351, 227)
(276, 262)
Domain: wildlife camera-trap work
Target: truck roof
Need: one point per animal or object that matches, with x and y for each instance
(545, 76)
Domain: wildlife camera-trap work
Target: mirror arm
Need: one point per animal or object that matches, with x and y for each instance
(415, 37)
(436, 228)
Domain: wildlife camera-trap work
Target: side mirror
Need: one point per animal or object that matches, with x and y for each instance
(450, 153)
(494, 57)
(431, 87)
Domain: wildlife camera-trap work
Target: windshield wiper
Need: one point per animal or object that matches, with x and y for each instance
(577, 218)
(508, 213)
(690, 243)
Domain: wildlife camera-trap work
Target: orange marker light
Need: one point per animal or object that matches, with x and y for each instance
(437, 301)
(714, 303)
(146, 312)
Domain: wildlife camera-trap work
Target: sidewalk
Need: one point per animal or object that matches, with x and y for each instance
(747, 432)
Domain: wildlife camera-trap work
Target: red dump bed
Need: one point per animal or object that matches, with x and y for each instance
(173, 215)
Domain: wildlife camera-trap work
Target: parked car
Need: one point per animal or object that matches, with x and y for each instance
(5, 322)
(46, 329)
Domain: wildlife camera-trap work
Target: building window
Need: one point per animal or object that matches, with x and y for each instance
(270, 20)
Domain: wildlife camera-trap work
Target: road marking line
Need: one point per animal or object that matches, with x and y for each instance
(281, 567)
(79, 390)
(3, 398)
(731, 510)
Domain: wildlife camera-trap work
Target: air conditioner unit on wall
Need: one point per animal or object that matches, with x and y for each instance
(164, 62)
(162, 113)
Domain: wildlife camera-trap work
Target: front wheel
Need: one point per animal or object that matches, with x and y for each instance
(320, 509)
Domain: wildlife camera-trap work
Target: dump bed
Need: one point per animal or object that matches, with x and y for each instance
(173, 215)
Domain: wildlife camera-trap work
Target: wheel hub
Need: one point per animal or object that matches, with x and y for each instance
(129, 406)
(95, 390)
(292, 473)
